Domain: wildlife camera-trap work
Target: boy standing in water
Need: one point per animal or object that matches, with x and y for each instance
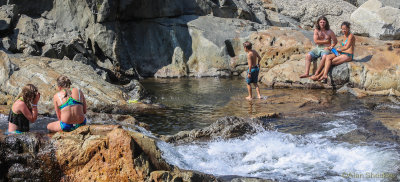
(252, 72)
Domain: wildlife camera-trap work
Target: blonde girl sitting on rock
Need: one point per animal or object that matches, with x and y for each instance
(70, 106)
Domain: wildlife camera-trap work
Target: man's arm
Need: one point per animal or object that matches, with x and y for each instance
(334, 39)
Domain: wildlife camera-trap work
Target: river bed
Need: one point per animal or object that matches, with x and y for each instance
(319, 136)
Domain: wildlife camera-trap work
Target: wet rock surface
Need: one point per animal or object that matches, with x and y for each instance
(224, 128)
(89, 153)
(28, 157)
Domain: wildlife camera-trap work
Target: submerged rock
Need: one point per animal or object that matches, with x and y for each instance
(224, 128)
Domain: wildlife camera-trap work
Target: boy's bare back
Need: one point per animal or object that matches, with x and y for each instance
(252, 56)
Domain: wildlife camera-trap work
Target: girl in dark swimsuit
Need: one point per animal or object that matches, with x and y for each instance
(24, 110)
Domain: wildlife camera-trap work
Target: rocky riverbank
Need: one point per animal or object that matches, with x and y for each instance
(107, 46)
(100, 153)
(95, 152)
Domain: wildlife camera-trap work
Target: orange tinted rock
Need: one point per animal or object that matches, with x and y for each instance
(101, 153)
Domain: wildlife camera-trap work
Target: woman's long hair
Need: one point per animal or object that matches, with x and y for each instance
(65, 83)
(28, 94)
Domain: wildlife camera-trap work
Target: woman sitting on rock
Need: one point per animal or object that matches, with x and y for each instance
(70, 106)
(346, 53)
(24, 110)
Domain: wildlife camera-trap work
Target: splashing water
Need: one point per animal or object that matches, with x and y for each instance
(287, 157)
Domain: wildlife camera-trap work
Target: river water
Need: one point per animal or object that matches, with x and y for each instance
(333, 137)
(320, 136)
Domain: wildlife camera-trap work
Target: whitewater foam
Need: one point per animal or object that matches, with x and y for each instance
(275, 155)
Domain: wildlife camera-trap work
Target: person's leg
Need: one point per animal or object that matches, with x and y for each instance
(341, 59)
(54, 126)
(249, 90)
(328, 63)
(258, 90)
(308, 64)
(321, 65)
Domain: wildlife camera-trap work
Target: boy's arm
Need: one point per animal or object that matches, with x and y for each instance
(249, 62)
(259, 59)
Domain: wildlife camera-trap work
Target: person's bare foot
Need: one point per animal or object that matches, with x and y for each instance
(323, 78)
(315, 78)
(304, 76)
(248, 98)
(259, 97)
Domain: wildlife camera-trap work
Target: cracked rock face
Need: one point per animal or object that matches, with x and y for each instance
(89, 153)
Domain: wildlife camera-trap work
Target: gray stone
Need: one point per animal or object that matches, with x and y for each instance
(81, 58)
(177, 68)
(103, 74)
(379, 21)
(340, 74)
(308, 11)
(392, 3)
(29, 7)
(49, 51)
(8, 44)
(134, 90)
(224, 128)
(8, 17)
(33, 51)
(43, 73)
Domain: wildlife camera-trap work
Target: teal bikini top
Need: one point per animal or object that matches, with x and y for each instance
(71, 101)
(345, 42)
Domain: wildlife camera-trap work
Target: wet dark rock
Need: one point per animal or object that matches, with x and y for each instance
(134, 90)
(89, 153)
(28, 157)
(224, 128)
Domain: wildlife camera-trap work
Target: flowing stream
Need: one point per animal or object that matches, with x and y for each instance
(320, 136)
(335, 138)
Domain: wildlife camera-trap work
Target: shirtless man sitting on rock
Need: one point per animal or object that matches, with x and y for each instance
(325, 40)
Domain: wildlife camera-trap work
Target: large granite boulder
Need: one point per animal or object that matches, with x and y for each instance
(392, 3)
(308, 11)
(379, 21)
(207, 44)
(16, 71)
(376, 65)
